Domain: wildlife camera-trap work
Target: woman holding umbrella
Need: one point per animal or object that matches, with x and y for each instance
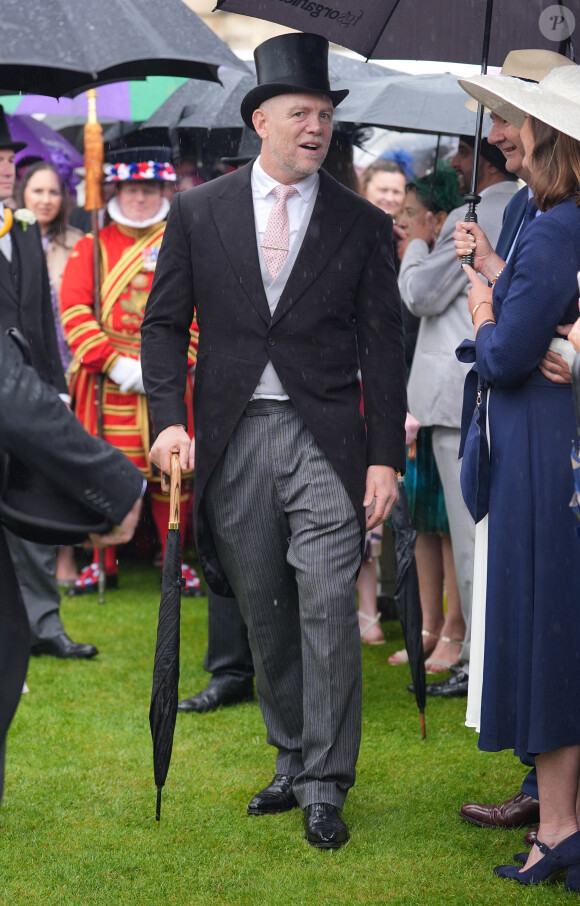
(531, 682)
(112, 347)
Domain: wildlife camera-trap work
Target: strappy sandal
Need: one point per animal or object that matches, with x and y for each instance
(441, 662)
(370, 622)
(401, 657)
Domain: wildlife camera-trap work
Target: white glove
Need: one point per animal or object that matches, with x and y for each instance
(127, 374)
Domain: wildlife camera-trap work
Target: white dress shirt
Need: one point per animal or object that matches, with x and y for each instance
(269, 385)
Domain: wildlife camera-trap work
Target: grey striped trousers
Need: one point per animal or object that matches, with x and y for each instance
(288, 539)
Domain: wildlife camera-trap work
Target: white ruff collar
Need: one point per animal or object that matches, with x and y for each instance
(114, 209)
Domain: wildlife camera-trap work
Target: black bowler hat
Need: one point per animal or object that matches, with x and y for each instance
(292, 63)
(5, 137)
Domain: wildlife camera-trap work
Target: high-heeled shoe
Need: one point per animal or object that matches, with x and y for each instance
(563, 858)
(434, 665)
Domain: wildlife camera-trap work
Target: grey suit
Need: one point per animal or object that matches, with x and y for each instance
(434, 288)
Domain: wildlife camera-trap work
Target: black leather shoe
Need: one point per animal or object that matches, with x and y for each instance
(324, 826)
(221, 690)
(63, 647)
(276, 797)
(455, 686)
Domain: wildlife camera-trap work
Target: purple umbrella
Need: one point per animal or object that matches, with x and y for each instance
(125, 102)
(44, 143)
(113, 103)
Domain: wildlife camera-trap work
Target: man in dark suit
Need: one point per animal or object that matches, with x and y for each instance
(31, 417)
(26, 305)
(292, 279)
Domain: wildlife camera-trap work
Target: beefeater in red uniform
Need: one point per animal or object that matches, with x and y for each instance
(129, 247)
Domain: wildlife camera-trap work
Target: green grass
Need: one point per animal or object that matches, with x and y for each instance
(78, 821)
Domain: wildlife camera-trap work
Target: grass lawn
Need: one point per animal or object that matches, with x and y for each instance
(78, 821)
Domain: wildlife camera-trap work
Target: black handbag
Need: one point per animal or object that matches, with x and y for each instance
(475, 465)
(474, 446)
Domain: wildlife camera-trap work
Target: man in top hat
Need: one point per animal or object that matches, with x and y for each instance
(292, 279)
(531, 65)
(26, 305)
(111, 347)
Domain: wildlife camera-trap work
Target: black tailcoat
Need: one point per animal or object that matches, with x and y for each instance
(25, 302)
(340, 309)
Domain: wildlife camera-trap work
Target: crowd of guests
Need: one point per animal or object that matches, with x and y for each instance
(498, 610)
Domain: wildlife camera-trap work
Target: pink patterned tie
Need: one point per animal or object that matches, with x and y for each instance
(277, 236)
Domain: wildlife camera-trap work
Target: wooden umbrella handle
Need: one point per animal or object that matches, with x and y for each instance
(171, 484)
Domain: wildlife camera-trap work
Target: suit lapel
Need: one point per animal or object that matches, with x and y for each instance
(233, 212)
(26, 247)
(6, 268)
(331, 221)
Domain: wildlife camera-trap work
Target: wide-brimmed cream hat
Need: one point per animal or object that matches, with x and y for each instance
(530, 65)
(555, 100)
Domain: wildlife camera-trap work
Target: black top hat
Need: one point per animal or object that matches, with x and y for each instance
(5, 137)
(289, 63)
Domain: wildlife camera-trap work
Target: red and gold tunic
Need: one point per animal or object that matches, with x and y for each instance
(128, 258)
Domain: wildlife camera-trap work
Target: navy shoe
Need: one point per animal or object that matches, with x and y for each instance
(562, 859)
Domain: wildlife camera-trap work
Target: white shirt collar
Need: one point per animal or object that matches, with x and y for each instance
(263, 184)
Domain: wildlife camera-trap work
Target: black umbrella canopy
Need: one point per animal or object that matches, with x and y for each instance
(433, 103)
(196, 105)
(209, 106)
(63, 47)
(447, 31)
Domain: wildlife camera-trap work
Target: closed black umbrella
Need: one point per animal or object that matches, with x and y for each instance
(63, 47)
(163, 710)
(408, 599)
